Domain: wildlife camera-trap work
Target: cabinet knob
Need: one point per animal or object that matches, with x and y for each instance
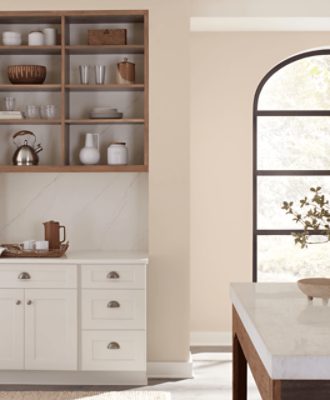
(113, 275)
(24, 275)
(18, 302)
(29, 302)
(113, 346)
(113, 304)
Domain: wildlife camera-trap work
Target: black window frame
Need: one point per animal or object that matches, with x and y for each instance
(280, 113)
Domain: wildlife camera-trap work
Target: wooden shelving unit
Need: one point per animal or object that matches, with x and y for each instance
(64, 135)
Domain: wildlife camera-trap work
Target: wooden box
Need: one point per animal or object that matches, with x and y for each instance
(107, 36)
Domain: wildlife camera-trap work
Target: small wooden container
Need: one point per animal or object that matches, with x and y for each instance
(125, 72)
(107, 36)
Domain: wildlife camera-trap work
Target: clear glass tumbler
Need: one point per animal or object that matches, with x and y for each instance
(9, 103)
(32, 111)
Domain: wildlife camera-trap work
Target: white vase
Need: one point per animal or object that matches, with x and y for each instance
(90, 154)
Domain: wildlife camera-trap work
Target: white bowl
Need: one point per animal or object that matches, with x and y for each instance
(11, 41)
(11, 38)
(11, 34)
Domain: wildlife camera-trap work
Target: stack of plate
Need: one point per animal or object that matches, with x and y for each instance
(105, 113)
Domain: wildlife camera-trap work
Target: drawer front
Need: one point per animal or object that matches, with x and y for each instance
(113, 351)
(113, 276)
(38, 276)
(113, 309)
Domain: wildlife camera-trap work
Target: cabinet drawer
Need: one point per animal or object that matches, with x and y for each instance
(114, 276)
(113, 309)
(38, 276)
(114, 351)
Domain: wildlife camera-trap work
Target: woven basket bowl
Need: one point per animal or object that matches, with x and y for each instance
(26, 73)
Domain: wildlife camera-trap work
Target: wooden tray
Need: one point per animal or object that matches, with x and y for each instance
(15, 250)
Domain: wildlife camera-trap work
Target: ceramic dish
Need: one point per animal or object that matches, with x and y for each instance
(94, 115)
(104, 110)
(315, 287)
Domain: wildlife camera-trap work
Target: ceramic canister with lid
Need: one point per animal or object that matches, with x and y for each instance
(117, 154)
(36, 38)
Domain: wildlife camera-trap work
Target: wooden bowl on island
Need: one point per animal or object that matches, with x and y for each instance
(27, 74)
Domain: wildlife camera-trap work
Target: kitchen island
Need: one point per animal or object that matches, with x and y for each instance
(79, 319)
(284, 339)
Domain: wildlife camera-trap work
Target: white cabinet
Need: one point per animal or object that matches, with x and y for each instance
(50, 329)
(73, 322)
(38, 327)
(113, 317)
(11, 329)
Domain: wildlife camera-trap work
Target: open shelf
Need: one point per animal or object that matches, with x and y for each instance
(30, 122)
(105, 49)
(74, 168)
(106, 87)
(63, 138)
(97, 121)
(30, 50)
(11, 87)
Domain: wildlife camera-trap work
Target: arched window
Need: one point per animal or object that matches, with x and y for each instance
(291, 127)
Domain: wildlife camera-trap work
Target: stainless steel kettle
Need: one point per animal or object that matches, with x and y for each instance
(26, 154)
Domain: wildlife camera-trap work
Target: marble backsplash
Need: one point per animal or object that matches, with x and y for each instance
(100, 211)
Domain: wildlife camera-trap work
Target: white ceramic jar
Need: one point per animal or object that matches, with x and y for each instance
(36, 38)
(50, 36)
(117, 154)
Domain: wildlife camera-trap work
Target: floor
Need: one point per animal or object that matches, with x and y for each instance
(212, 381)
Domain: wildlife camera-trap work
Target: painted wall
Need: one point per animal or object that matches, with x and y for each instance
(167, 223)
(260, 8)
(225, 71)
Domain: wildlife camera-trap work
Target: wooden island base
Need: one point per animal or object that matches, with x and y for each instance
(245, 353)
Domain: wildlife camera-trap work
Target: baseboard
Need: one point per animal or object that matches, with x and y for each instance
(73, 378)
(170, 370)
(218, 338)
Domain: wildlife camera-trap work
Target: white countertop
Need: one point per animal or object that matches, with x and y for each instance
(84, 257)
(291, 336)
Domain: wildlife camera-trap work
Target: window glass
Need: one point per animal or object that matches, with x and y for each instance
(280, 260)
(301, 85)
(293, 143)
(273, 190)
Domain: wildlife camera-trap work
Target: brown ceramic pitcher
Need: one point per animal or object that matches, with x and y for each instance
(52, 234)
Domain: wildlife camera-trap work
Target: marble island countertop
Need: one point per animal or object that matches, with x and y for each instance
(291, 336)
(84, 257)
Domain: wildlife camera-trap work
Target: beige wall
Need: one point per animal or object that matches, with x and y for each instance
(225, 71)
(168, 300)
(260, 8)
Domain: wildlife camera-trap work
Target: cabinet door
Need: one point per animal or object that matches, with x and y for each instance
(50, 329)
(12, 329)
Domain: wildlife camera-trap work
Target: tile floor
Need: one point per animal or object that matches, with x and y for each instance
(212, 380)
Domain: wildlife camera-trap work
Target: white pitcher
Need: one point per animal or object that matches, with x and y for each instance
(90, 154)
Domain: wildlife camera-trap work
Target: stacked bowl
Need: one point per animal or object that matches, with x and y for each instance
(11, 38)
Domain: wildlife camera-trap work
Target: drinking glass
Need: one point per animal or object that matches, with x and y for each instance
(32, 111)
(48, 111)
(84, 74)
(99, 74)
(9, 103)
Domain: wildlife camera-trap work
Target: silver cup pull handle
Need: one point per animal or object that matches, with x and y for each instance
(24, 275)
(113, 304)
(113, 275)
(113, 346)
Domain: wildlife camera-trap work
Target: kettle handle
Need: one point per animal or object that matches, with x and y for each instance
(23, 133)
(64, 234)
